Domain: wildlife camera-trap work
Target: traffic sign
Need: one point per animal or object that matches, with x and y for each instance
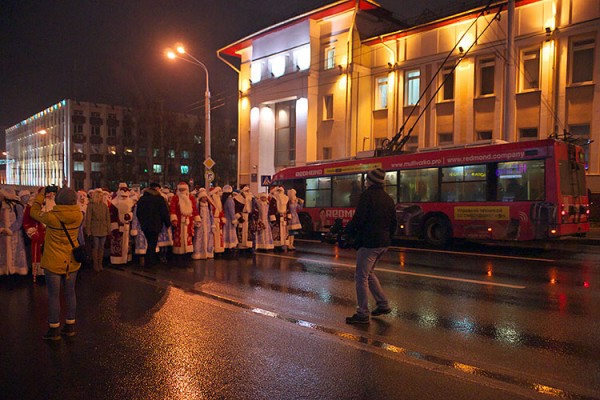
(209, 175)
(265, 180)
(209, 163)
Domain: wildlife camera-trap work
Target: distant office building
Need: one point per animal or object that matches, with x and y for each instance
(345, 78)
(87, 145)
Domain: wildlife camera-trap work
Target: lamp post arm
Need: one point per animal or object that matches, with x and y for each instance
(195, 61)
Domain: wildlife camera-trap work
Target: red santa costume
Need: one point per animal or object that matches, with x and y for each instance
(184, 214)
(36, 232)
(219, 218)
(121, 215)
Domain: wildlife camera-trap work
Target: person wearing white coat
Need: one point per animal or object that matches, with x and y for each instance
(203, 237)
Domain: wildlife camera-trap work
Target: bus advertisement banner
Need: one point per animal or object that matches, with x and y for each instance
(485, 213)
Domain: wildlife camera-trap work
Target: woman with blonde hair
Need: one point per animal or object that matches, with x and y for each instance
(97, 225)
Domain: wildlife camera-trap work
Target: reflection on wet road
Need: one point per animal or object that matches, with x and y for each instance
(537, 316)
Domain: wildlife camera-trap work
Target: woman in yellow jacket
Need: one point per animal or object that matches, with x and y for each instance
(57, 259)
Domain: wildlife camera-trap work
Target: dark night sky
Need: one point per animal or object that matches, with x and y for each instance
(111, 51)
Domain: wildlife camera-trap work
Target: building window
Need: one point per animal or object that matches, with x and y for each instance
(329, 58)
(155, 152)
(95, 114)
(381, 93)
(530, 69)
(484, 135)
(171, 153)
(413, 144)
(528, 134)
(486, 77)
(413, 83)
(445, 138)
(78, 147)
(447, 92)
(78, 128)
(142, 152)
(285, 133)
(78, 166)
(96, 166)
(328, 107)
(78, 112)
(302, 58)
(256, 71)
(327, 153)
(112, 132)
(95, 130)
(185, 169)
(277, 65)
(185, 154)
(157, 168)
(582, 60)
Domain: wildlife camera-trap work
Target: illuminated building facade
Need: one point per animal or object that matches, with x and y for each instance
(326, 85)
(88, 145)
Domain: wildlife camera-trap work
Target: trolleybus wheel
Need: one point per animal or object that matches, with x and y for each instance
(437, 231)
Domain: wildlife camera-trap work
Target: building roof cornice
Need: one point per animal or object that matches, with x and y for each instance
(328, 10)
(492, 7)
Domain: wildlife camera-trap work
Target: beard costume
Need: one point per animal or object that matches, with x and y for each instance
(121, 216)
(184, 214)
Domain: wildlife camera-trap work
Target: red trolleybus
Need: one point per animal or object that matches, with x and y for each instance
(511, 191)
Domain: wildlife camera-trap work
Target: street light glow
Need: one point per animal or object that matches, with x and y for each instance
(43, 132)
(185, 56)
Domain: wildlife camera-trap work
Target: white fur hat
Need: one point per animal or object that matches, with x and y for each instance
(202, 193)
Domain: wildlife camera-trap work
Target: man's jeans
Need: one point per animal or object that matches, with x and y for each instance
(53, 284)
(365, 279)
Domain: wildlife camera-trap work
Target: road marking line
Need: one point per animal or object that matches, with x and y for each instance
(440, 277)
(463, 253)
(399, 248)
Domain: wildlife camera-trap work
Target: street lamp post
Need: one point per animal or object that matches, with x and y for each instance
(182, 54)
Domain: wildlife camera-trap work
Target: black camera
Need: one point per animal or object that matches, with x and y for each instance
(51, 189)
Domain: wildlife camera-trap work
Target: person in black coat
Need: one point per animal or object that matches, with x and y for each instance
(372, 227)
(152, 212)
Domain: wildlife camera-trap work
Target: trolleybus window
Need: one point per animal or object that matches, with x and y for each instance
(418, 185)
(346, 190)
(318, 192)
(572, 178)
(391, 185)
(464, 183)
(520, 180)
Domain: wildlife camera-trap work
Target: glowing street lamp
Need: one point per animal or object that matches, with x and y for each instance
(182, 54)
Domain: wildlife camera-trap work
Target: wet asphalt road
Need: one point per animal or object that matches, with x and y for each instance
(499, 326)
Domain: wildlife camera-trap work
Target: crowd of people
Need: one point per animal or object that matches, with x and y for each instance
(147, 227)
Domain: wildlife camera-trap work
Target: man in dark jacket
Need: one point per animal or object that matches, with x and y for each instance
(372, 225)
(152, 212)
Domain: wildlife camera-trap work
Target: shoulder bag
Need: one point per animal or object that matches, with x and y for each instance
(79, 253)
